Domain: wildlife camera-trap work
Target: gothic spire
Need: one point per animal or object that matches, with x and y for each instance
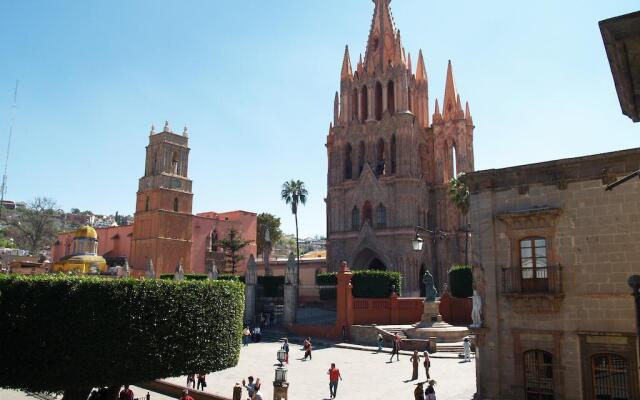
(467, 114)
(346, 72)
(409, 66)
(381, 44)
(421, 71)
(450, 103)
(436, 114)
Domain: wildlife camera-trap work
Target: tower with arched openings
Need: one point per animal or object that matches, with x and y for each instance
(163, 220)
(389, 161)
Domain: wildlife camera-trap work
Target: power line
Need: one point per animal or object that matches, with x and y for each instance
(3, 188)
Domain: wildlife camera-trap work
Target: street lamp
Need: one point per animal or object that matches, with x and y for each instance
(417, 242)
(281, 375)
(281, 356)
(634, 283)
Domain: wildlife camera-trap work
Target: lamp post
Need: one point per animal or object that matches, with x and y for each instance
(280, 384)
(634, 283)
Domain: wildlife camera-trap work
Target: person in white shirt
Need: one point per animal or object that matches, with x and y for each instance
(467, 349)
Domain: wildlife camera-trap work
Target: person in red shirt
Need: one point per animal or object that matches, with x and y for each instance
(334, 375)
(185, 395)
(126, 393)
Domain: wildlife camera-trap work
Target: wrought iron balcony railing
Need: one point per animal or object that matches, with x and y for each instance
(518, 280)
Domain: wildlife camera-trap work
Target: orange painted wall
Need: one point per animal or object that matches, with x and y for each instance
(112, 242)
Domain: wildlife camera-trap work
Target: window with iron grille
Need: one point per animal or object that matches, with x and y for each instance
(381, 216)
(610, 374)
(355, 219)
(538, 375)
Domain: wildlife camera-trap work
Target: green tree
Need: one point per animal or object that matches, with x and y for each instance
(294, 193)
(270, 221)
(34, 227)
(459, 194)
(232, 244)
(119, 331)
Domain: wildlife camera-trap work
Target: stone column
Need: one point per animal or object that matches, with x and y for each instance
(290, 290)
(280, 390)
(251, 279)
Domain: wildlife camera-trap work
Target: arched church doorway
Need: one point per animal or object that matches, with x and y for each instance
(368, 259)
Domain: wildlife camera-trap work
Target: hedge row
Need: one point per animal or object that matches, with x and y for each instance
(76, 332)
(187, 277)
(366, 283)
(461, 281)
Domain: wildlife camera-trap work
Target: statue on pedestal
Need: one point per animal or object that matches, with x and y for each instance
(430, 289)
(179, 274)
(212, 273)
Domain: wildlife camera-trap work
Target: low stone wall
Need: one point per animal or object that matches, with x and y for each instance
(331, 332)
(173, 390)
(368, 335)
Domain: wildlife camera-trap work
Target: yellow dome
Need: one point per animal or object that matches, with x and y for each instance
(86, 232)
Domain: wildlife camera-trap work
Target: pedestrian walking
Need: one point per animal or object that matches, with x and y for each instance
(430, 392)
(257, 334)
(415, 358)
(251, 386)
(467, 349)
(246, 334)
(126, 393)
(306, 345)
(396, 348)
(202, 381)
(380, 341)
(185, 395)
(191, 381)
(334, 376)
(285, 347)
(418, 393)
(258, 394)
(427, 364)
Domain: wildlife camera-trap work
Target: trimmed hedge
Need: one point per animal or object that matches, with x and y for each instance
(366, 283)
(326, 279)
(72, 333)
(187, 277)
(461, 281)
(273, 286)
(229, 277)
(375, 284)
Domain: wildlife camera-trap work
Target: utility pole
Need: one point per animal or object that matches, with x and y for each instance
(3, 188)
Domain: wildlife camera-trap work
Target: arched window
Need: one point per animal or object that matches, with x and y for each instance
(393, 154)
(367, 213)
(364, 103)
(381, 216)
(355, 219)
(538, 375)
(175, 163)
(391, 98)
(348, 167)
(380, 161)
(175, 204)
(361, 157)
(378, 103)
(354, 105)
(410, 98)
(454, 161)
(610, 375)
(146, 204)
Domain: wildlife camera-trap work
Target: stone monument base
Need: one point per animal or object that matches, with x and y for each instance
(432, 325)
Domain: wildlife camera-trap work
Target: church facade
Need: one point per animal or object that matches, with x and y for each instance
(390, 160)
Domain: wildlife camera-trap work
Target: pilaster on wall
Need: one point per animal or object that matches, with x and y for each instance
(344, 301)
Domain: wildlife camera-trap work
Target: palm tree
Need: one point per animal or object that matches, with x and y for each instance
(294, 192)
(459, 193)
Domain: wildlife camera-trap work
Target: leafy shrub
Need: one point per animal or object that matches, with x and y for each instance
(273, 286)
(229, 277)
(187, 277)
(328, 293)
(461, 281)
(72, 333)
(326, 279)
(375, 284)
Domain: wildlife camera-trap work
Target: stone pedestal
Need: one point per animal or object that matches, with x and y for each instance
(431, 312)
(432, 326)
(280, 390)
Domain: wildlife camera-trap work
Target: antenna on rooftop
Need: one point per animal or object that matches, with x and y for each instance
(3, 188)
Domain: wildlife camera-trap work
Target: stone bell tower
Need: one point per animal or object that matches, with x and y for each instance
(389, 164)
(163, 220)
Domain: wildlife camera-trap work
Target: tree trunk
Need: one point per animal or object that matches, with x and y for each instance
(297, 249)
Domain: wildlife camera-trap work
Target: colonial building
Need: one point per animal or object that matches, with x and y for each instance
(389, 161)
(553, 251)
(165, 231)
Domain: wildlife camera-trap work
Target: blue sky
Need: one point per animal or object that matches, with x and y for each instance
(254, 81)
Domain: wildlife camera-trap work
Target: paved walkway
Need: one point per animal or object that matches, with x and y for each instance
(367, 374)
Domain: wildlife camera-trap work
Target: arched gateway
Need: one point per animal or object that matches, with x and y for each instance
(369, 259)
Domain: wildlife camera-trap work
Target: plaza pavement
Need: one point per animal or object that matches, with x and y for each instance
(367, 374)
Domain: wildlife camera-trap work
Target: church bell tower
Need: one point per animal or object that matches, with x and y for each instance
(163, 219)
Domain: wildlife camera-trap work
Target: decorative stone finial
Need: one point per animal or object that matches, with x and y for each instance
(151, 273)
(166, 127)
(185, 133)
(153, 130)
